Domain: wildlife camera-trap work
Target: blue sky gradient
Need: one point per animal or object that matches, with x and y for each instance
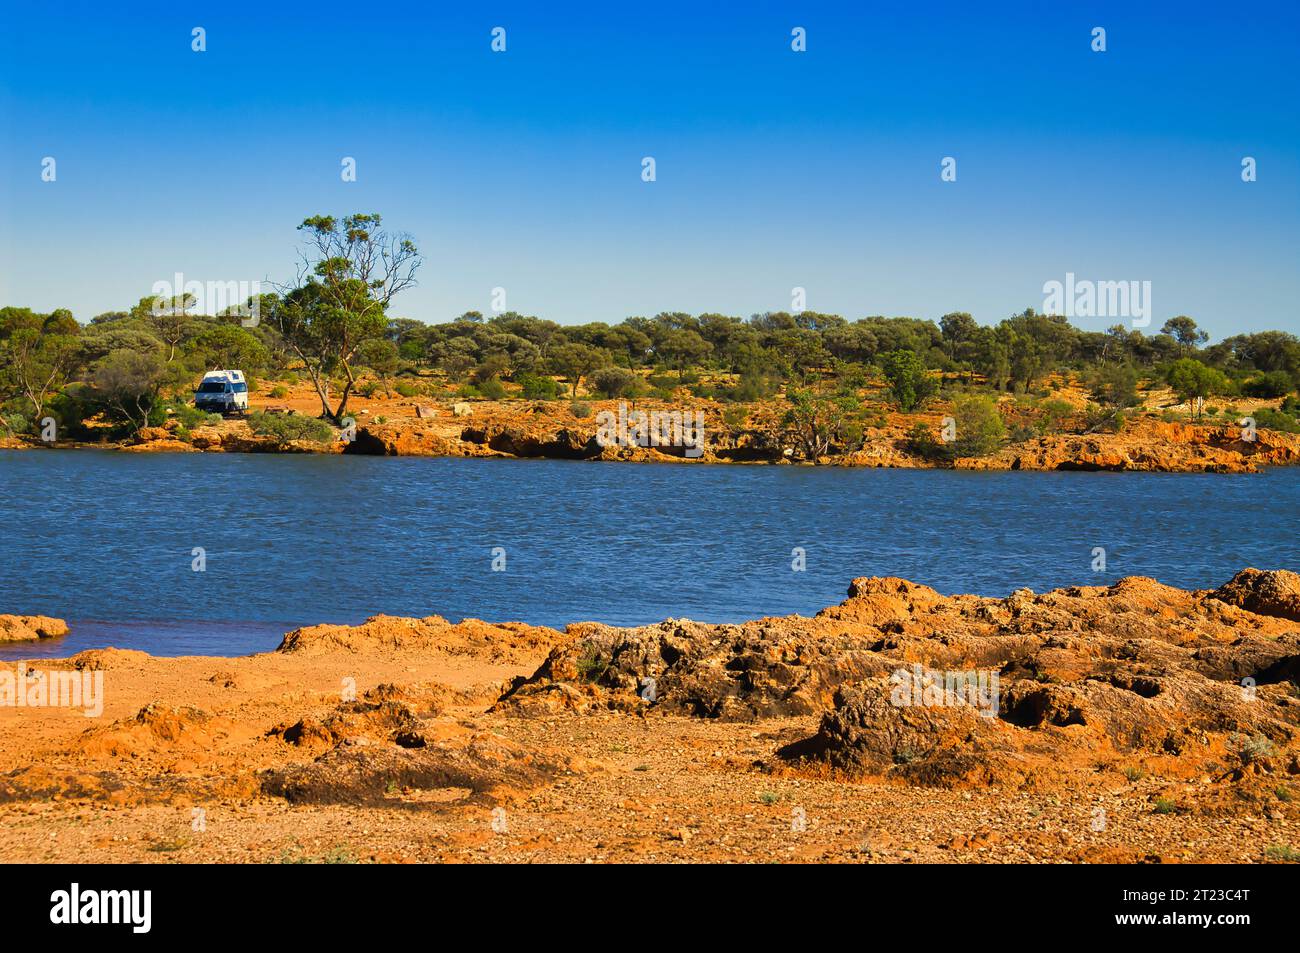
(775, 169)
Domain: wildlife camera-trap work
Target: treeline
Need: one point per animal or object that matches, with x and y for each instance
(120, 362)
(1016, 354)
(332, 324)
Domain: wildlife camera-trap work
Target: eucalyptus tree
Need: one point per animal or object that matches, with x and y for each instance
(349, 272)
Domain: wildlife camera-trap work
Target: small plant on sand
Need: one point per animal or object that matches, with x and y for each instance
(591, 667)
(1165, 806)
(1283, 852)
(735, 416)
(580, 409)
(167, 845)
(1283, 794)
(769, 797)
(906, 755)
(338, 855)
(1134, 773)
(1253, 749)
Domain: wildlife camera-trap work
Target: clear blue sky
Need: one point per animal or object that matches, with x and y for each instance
(775, 168)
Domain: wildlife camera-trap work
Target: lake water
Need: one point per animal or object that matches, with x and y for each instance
(106, 540)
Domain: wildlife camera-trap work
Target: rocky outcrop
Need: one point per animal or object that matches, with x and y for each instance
(540, 439)
(382, 634)
(1006, 690)
(157, 440)
(1150, 445)
(29, 628)
(1263, 593)
(409, 438)
(734, 672)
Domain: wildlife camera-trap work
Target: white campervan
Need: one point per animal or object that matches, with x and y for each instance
(222, 392)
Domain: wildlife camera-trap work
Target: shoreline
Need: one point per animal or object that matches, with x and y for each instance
(1176, 712)
(524, 430)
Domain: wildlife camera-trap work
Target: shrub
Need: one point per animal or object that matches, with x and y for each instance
(288, 427)
(16, 423)
(405, 389)
(128, 384)
(535, 387)
(1282, 852)
(279, 391)
(1268, 385)
(735, 417)
(492, 388)
(72, 407)
(493, 366)
(754, 385)
(920, 440)
(580, 409)
(616, 382)
(1255, 748)
(1055, 412)
(1268, 419)
(189, 416)
(910, 384)
(980, 429)
(1115, 385)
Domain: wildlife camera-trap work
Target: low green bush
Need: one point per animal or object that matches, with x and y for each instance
(492, 388)
(288, 427)
(537, 388)
(615, 382)
(1268, 419)
(1270, 384)
(189, 416)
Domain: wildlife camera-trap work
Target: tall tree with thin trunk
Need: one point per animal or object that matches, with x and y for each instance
(350, 270)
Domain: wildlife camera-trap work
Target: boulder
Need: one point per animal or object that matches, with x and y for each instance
(1275, 593)
(29, 628)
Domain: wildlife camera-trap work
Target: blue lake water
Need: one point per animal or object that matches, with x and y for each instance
(105, 540)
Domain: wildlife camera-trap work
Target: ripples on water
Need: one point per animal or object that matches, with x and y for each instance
(104, 539)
